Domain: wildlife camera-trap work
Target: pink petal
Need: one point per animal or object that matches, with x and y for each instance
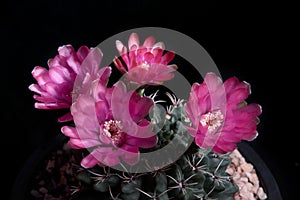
(212, 81)
(167, 57)
(149, 42)
(51, 106)
(41, 75)
(148, 57)
(82, 52)
(89, 161)
(252, 109)
(158, 53)
(230, 136)
(142, 142)
(133, 40)
(122, 51)
(85, 105)
(90, 65)
(103, 137)
(130, 154)
(36, 88)
(74, 63)
(129, 148)
(139, 107)
(120, 47)
(74, 145)
(110, 157)
(38, 71)
(65, 118)
(251, 136)
(199, 139)
(104, 74)
(140, 53)
(84, 114)
(230, 84)
(119, 65)
(223, 147)
(238, 95)
(70, 131)
(84, 143)
(160, 45)
(65, 50)
(53, 89)
(101, 110)
(132, 60)
(142, 130)
(131, 158)
(45, 98)
(198, 103)
(58, 75)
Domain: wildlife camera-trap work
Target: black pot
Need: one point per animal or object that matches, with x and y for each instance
(20, 188)
(24, 178)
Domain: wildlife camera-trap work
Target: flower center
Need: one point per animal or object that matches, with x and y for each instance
(145, 65)
(212, 119)
(112, 129)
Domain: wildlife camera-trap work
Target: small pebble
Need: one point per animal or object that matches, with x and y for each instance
(261, 194)
(35, 194)
(43, 190)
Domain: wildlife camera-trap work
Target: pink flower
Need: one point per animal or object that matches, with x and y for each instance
(146, 64)
(219, 114)
(111, 123)
(54, 86)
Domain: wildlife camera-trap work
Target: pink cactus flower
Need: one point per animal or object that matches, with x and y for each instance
(111, 128)
(145, 64)
(219, 115)
(54, 85)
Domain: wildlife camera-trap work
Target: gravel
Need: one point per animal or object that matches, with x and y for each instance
(245, 176)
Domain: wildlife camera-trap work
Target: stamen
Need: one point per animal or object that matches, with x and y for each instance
(112, 129)
(212, 119)
(145, 65)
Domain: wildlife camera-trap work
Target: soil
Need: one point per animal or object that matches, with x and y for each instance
(55, 179)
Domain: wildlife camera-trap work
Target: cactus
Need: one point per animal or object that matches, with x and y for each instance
(216, 115)
(197, 174)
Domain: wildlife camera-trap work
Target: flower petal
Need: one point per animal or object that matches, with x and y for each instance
(149, 42)
(142, 142)
(70, 131)
(65, 118)
(133, 41)
(89, 161)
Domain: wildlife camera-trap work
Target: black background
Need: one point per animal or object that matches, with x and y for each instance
(251, 41)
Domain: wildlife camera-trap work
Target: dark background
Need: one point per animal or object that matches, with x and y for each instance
(252, 41)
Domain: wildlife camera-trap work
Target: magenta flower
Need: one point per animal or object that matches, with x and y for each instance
(146, 64)
(110, 128)
(219, 114)
(54, 85)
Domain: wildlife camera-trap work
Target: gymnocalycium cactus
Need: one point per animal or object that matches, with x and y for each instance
(136, 146)
(197, 174)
